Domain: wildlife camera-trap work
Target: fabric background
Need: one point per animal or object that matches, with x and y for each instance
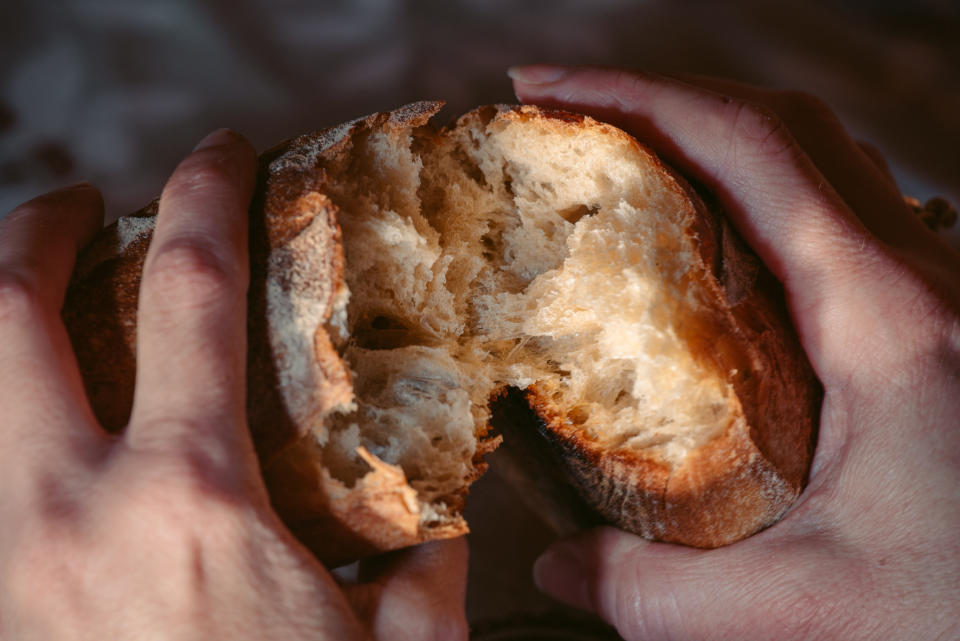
(117, 91)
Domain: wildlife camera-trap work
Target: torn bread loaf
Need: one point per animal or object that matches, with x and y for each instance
(403, 276)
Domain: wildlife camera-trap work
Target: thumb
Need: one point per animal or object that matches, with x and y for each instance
(616, 575)
(651, 591)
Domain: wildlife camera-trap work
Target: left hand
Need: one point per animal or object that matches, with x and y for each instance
(165, 531)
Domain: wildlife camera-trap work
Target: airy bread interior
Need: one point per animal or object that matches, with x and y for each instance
(513, 252)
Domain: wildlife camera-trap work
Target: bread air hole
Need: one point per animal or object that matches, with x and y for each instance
(386, 332)
(575, 213)
(473, 263)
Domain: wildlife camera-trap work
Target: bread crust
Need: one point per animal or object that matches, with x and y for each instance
(744, 479)
(739, 482)
(295, 377)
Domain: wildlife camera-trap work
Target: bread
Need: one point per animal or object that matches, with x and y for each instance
(403, 276)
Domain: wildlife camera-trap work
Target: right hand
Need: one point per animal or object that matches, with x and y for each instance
(871, 549)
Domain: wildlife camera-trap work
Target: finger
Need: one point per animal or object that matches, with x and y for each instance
(654, 591)
(615, 575)
(775, 196)
(191, 343)
(418, 593)
(856, 170)
(878, 159)
(41, 393)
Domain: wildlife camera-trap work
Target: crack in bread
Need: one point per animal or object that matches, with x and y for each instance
(403, 276)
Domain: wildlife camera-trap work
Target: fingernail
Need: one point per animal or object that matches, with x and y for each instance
(218, 137)
(560, 573)
(538, 74)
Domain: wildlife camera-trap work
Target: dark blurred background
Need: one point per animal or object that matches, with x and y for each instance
(116, 91)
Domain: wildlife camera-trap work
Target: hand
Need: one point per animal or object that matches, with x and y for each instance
(871, 549)
(165, 531)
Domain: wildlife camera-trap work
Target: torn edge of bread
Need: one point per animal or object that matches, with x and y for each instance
(402, 276)
(552, 253)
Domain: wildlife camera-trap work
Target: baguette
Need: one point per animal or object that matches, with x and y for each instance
(404, 276)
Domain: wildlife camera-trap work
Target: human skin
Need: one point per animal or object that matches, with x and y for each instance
(871, 549)
(165, 531)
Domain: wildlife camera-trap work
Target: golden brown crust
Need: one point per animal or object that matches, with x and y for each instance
(100, 314)
(305, 268)
(745, 479)
(295, 376)
(737, 483)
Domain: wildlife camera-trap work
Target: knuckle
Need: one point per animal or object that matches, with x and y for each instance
(29, 209)
(629, 89)
(449, 628)
(627, 82)
(180, 501)
(807, 105)
(877, 157)
(439, 626)
(20, 299)
(871, 150)
(928, 306)
(181, 471)
(190, 272)
(39, 558)
(761, 130)
(652, 618)
(754, 121)
(180, 496)
(640, 612)
(643, 595)
(202, 170)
